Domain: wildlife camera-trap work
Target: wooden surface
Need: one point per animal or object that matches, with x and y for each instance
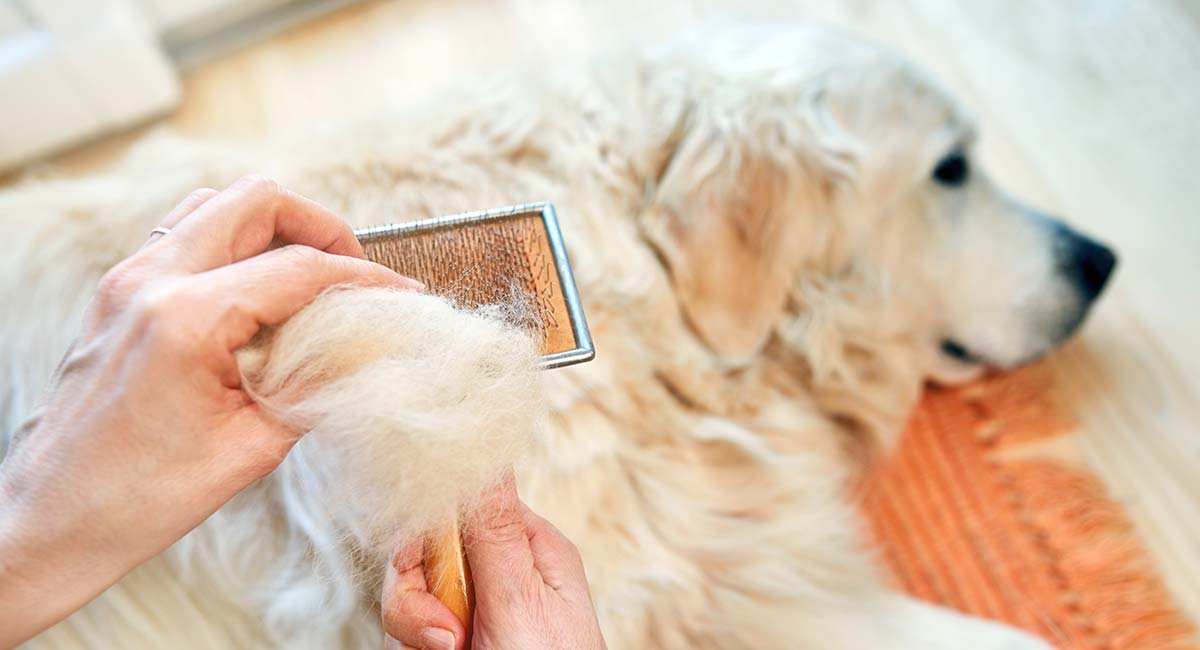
(1088, 109)
(449, 575)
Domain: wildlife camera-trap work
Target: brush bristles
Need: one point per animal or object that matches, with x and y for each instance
(503, 261)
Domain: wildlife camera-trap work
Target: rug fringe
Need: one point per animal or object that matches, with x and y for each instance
(965, 516)
(1093, 551)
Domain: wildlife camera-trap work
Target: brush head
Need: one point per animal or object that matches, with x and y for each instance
(493, 257)
(477, 259)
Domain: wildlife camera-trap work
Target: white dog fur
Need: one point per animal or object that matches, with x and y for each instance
(769, 272)
(410, 408)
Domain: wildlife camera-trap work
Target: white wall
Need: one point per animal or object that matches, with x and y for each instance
(71, 70)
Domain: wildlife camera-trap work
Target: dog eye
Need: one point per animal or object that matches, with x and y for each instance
(956, 350)
(952, 170)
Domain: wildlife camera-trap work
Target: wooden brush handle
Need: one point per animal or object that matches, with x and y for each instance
(449, 575)
(478, 262)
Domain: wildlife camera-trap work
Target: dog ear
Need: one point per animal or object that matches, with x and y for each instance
(719, 220)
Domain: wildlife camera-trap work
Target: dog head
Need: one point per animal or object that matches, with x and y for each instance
(808, 183)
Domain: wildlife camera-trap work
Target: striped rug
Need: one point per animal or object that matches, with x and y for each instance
(973, 511)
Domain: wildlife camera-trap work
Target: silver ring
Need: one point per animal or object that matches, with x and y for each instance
(160, 231)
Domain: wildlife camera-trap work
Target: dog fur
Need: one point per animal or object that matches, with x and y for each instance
(769, 271)
(377, 379)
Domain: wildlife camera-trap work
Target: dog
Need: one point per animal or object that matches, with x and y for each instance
(779, 233)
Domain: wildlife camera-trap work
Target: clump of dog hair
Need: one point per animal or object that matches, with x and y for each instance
(412, 407)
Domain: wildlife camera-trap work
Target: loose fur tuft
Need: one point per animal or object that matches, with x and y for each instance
(412, 406)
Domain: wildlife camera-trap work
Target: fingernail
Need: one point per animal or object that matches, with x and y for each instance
(435, 638)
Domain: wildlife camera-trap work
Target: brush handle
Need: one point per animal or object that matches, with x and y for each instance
(449, 575)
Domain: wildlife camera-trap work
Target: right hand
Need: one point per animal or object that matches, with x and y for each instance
(530, 588)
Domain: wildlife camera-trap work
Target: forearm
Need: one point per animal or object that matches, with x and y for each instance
(48, 568)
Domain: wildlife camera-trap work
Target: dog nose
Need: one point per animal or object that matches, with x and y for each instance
(1092, 263)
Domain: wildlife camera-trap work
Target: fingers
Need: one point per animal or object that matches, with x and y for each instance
(187, 206)
(497, 547)
(268, 288)
(411, 614)
(243, 220)
(126, 277)
(554, 556)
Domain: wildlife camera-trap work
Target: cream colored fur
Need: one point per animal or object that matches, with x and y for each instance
(767, 271)
(410, 407)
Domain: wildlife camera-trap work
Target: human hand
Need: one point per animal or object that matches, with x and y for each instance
(146, 429)
(530, 588)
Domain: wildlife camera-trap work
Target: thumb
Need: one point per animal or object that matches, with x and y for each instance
(497, 545)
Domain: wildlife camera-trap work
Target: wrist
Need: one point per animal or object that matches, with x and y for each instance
(19, 619)
(48, 569)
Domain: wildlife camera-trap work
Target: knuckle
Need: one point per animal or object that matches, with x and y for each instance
(503, 531)
(201, 194)
(257, 185)
(402, 614)
(113, 284)
(116, 287)
(162, 313)
(159, 303)
(306, 256)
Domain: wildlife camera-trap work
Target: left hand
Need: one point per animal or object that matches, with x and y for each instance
(146, 430)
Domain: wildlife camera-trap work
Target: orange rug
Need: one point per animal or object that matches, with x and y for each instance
(971, 512)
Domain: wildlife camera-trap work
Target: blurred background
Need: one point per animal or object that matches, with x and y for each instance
(1088, 109)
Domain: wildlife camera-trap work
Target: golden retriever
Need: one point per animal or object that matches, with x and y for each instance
(778, 233)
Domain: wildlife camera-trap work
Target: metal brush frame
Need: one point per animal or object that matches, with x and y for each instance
(584, 350)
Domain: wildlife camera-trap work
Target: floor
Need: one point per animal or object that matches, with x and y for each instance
(1088, 110)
